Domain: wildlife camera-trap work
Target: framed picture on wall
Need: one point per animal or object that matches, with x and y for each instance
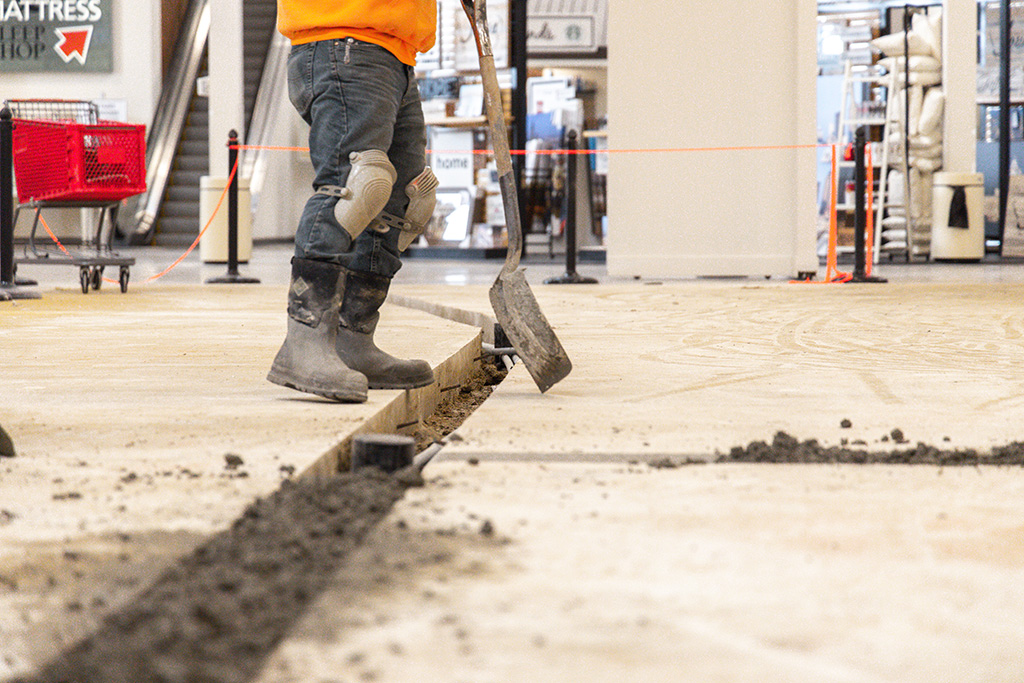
(452, 221)
(567, 28)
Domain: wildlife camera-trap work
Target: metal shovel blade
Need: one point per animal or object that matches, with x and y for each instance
(513, 301)
(524, 323)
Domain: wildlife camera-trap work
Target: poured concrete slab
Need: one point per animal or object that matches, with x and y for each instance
(562, 555)
(515, 572)
(143, 423)
(693, 369)
(546, 548)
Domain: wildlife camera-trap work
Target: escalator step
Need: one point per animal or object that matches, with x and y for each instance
(178, 223)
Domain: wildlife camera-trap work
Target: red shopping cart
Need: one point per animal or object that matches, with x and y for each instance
(66, 157)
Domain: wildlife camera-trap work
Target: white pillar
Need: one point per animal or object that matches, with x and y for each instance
(960, 84)
(739, 85)
(226, 81)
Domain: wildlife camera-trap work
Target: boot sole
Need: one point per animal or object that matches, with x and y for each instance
(282, 379)
(401, 385)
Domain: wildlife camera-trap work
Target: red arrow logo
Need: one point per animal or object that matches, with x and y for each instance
(74, 43)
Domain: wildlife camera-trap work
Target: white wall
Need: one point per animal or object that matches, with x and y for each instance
(289, 177)
(960, 84)
(226, 99)
(711, 74)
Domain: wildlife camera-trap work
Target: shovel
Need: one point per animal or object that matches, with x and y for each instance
(513, 302)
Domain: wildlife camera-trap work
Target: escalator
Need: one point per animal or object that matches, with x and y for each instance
(178, 147)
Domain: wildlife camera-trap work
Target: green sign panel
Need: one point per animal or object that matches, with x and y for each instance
(62, 36)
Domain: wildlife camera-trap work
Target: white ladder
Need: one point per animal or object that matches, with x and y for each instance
(852, 122)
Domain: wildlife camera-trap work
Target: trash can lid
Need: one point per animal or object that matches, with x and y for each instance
(958, 179)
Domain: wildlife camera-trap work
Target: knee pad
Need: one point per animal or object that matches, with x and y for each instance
(422, 194)
(366, 191)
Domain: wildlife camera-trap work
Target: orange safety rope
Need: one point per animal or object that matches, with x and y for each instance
(181, 258)
(52, 236)
(673, 150)
(676, 150)
(202, 232)
(832, 272)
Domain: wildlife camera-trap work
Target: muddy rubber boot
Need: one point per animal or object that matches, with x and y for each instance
(363, 295)
(307, 360)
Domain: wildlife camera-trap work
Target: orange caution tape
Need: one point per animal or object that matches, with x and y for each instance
(677, 150)
(832, 272)
(671, 150)
(202, 232)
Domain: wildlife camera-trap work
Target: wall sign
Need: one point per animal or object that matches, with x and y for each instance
(566, 28)
(561, 34)
(990, 47)
(71, 36)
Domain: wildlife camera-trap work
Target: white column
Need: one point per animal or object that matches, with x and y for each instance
(722, 78)
(227, 87)
(960, 83)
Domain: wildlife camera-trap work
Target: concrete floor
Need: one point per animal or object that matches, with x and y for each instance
(544, 547)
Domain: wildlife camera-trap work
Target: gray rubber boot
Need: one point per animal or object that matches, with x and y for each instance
(307, 360)
(364, 293)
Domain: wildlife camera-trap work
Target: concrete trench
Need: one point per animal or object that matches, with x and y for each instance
(102, 601)
(218, 612)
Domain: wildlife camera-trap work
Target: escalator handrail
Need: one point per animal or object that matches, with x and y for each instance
(169, 120)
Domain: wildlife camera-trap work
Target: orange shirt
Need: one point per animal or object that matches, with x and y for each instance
(403, 27)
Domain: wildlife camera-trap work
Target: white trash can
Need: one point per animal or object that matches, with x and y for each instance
(958, 217)
(213, 247)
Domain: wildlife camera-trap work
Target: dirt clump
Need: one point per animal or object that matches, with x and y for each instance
(6, 445)
(450, 415)
(216, 614)
(786, 448)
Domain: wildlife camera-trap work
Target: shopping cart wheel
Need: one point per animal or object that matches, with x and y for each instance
(83, 278)
(97, 277)
(123, 279)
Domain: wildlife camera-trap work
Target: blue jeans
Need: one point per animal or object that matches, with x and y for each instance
(355, 96)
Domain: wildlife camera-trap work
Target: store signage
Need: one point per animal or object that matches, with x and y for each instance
(69, 36)
(989, 54)
(561, 34)
(567, 28)
(452, 157)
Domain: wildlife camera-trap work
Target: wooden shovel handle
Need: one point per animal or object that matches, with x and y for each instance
(476, 10)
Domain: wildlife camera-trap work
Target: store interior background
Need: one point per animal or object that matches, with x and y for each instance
(625, 76)
(844, 30)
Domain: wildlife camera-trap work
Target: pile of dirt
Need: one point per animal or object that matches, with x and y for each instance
(785, 448)
(219, 612)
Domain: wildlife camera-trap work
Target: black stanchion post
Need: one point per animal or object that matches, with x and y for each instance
(1005, 55)
(233, 204)
(571, 277)
(9, 289)
(860, 211)
(7, 186)
(232, 276)
(518, 31)
(859, 216)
